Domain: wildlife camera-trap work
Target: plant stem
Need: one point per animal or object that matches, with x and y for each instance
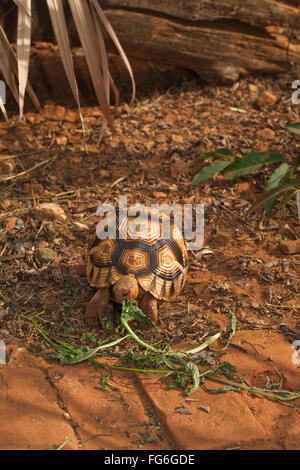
(104, 365)
(203, 345)
(136, 338)
(254, 389)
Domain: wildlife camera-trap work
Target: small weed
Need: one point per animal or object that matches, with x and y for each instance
(283, 184)
(88, 337)
(72, 289)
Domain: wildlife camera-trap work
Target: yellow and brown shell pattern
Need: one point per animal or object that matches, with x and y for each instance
(159, 264)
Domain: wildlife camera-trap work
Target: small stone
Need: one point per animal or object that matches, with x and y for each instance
(253, 89)
(35, 188)
(50, 211)
(13, 223)
(182, 410)
(266, 99)
(150, 144)
(243, 186)
(54, 112)
(170, 118)
(3, 312)
(45, 255)
(62, 140)
(10, 224)
(285, 266)
(7, 166)
(289, 247)
(255, 305)
(5, 203)
(19, 248)
(81, 226)
(178, 139)
(266, 133)
(177, 167)
(204, 408)
(19, 225)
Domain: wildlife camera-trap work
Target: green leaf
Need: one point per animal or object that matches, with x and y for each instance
(131, 311)
(279, 191)
(231, 332)
(250, 162)
(298, 160)
(207, 172)
(88, 337)
(280, 176)
(104, 382)
(220, 153)
(294, 127)
(192, 370)
(227, 369)
(277, 176)
(84, 353)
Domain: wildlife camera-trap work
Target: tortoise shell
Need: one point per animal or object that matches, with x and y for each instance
(137, 248)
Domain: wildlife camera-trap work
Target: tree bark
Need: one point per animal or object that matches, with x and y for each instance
(219, 40)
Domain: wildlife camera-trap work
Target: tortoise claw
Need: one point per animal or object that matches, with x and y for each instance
(149, 306)
(96, 307)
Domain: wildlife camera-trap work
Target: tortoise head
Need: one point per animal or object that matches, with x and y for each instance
(125, 288)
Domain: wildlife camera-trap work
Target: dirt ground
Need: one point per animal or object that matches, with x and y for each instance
(152, 158)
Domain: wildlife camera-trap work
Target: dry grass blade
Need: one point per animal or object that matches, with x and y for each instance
(88, 37)
(116, 42)
(60, 30)
(23, 47)
(104, 66)
(276, 192)
(9, 68)
(2, 107)
(25, 172)
(5, 64)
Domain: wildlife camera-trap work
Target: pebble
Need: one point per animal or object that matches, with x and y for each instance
(7, 166)
(266, 99)
(50, 211)
(44, 255)
(289, 247)
(19, 225)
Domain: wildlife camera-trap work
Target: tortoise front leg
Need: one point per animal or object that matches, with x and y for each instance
(149, 306)
(97, 306)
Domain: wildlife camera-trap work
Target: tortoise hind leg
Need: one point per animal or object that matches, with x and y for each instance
(149, 306)
(96, 307)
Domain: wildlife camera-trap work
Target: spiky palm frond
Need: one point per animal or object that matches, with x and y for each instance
(88, 17)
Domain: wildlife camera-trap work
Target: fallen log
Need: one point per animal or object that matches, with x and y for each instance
(218, 40)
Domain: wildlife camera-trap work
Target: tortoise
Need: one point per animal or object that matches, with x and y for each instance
(137, 262)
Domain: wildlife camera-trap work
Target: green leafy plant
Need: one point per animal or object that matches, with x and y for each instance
(179, 366)
(283, 184)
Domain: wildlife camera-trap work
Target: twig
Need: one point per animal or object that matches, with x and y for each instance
(18, 155)
(8, 258)
(29, 170)
(236, 216)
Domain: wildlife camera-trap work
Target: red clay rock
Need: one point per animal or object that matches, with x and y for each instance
(42, 402)
(229, 422)
(115, 419)
(30, 415)
(235, 419)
